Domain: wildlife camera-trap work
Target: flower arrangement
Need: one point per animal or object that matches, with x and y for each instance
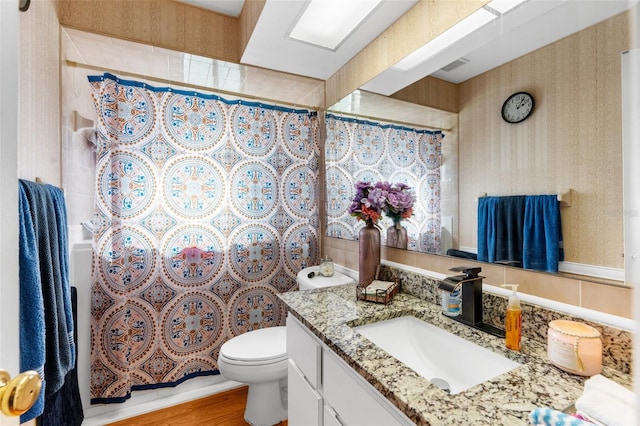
(399, 202)
(373, 200)
(369, 202)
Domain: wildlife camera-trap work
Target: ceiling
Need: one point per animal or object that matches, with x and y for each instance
(525, 28)
(304, 67)
(270, 46)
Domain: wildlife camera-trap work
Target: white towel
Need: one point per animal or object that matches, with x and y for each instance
(599, 383)
(607, 402)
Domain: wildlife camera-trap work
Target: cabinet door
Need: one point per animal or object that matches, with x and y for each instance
(305, 350)
(330, 417)
(305, 404)
(355, 401)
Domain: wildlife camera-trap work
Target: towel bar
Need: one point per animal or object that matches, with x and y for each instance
(564, 197)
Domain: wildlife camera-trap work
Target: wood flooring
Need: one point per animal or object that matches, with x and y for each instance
(224, 409)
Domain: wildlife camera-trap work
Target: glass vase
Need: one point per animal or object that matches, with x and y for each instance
(369, 253)
(397, 236)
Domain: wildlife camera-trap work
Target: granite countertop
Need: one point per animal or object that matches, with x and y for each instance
(330, 313)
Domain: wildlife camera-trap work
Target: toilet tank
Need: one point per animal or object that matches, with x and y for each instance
(318, 281)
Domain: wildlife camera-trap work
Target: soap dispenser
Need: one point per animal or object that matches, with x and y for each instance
(513, 319)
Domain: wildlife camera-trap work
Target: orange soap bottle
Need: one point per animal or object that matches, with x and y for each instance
(513, 320)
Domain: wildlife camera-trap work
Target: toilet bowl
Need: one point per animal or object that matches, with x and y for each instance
(259, 359)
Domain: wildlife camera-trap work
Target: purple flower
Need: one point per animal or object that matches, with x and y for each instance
(377, 199)
(400, 202)
(371, 201)
(362, 186)
(368, 203)
(385, 186)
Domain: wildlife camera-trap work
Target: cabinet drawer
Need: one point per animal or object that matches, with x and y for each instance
(304, 350)
(305, 404)
(355, 401)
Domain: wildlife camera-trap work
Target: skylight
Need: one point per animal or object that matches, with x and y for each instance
(327, 23)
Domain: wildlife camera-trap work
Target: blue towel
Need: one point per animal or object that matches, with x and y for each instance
(63, 248)
(500, 229)
(485, 228)
(59, 352)
(32, 325)
(523, 229)
(542, 249)
(65, 406)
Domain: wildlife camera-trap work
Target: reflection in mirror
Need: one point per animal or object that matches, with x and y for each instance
(571, 141)
(372, 138)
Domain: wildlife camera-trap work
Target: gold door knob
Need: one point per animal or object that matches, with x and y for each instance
(17, 395)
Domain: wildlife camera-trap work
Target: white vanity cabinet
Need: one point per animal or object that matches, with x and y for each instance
(305, 403)
(324, 390)
(305, 355)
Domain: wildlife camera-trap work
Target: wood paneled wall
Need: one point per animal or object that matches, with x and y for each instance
(162, 23)
(431, 92)
(248, 19)
(572, 140)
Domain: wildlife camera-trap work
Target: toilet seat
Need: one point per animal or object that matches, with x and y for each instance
(257, 347)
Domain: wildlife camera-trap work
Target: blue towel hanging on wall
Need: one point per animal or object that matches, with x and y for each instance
(45, 294)
(523, 230)
(32, 337)
(500, 226)
(542, 249)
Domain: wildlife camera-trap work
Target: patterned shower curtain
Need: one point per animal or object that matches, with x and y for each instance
(205, 209)
(362, 150)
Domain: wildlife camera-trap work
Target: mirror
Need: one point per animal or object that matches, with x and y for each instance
(400, 143)
(571, 141)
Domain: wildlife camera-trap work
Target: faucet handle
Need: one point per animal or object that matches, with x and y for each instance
(469, 271)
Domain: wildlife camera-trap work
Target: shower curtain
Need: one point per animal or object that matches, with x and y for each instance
(363, 150)
(205, 209)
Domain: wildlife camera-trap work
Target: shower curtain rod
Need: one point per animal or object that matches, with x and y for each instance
(386, 120)
(189, 85)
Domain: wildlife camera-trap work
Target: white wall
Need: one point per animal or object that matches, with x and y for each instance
(9, 290)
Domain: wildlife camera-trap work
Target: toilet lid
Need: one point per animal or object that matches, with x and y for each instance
(265, 344)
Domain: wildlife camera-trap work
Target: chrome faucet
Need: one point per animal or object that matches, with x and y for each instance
(471, 289)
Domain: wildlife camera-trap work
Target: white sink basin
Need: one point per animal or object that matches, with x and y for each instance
(448, 361)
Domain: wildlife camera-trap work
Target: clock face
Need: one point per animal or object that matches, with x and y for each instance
(517, 107)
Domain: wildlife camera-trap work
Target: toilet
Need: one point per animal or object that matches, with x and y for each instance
(259, 359)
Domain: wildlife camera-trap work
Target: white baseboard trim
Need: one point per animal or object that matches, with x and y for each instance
(592, 271)
(142, 402)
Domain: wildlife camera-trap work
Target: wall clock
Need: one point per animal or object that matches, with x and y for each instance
(517, 107)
